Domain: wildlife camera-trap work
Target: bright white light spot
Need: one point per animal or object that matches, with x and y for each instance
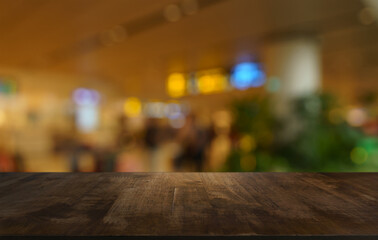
(86, 118)
(154, 109)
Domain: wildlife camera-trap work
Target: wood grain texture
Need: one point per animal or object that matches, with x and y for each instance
(189, 204)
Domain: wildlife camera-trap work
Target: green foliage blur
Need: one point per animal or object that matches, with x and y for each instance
(324, 141)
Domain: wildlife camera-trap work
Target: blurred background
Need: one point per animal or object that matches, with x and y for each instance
(188, 85)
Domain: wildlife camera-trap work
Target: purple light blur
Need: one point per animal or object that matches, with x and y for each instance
(83, 96)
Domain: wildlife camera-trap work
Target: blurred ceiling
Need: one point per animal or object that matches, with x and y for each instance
(85, 37)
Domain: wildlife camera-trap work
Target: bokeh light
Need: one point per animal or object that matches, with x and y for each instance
(171, 109)
(86, 110)
(176, 85)
(359, 155)
(367, 16)
(86, 118)
(246, 75)
(177, 120)
(247, 143)
(211, 81)
(356, 117)
(132, 107)
(222, 119)
(83, 96)
(154, 109)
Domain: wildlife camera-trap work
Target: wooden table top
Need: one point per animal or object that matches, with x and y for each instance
(143, 205)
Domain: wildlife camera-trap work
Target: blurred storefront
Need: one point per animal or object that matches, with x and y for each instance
(189, 85)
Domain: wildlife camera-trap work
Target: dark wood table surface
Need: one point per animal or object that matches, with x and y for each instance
(181, 205)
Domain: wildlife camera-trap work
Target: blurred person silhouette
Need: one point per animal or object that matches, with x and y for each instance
(129, 156)
(193, 141)
(76, 147)
(124, 137)
(151, 139)
(18, 159)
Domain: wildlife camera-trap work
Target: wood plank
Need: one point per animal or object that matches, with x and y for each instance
(179, 205)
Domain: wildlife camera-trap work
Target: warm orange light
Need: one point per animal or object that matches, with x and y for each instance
(214, 80)
(176, 85)
(132, 107)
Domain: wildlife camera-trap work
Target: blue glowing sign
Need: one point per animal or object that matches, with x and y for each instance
(246, 75)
